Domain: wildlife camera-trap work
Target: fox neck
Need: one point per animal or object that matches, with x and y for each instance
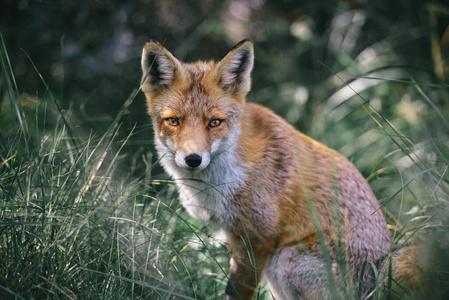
(207, 194)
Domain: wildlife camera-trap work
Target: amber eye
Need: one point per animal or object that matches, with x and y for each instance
(215, 123)
(172, 121)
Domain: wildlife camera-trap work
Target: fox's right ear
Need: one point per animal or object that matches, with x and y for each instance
(160, 68)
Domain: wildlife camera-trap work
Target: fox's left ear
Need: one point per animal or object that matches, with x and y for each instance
(160, 68)
(233, 72)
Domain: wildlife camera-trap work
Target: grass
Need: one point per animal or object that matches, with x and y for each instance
(74, 224)
(77, 223)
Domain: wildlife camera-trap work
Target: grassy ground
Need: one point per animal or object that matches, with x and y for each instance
(82, 218)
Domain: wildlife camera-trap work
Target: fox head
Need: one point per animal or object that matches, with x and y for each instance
(195, 107)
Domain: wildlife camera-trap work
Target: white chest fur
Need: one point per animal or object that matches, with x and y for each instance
(206, 194)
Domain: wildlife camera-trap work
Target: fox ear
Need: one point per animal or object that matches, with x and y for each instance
(159, 67)
(234, 70)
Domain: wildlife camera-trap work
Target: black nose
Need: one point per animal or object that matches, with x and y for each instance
(193, 160)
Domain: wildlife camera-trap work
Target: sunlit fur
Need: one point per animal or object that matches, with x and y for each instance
(259, 178)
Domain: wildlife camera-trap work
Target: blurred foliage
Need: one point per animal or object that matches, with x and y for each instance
(89, 51)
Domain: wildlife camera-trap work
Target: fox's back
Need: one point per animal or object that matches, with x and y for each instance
(293, 172)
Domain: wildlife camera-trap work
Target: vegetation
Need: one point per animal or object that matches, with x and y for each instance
(86, 211)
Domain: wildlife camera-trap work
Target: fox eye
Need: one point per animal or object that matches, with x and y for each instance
(172, 122)
(215, 123)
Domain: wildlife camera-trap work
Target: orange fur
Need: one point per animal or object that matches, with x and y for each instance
(263, 176)
(407, 270)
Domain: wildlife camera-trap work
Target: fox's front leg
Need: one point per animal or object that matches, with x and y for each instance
(245, 268)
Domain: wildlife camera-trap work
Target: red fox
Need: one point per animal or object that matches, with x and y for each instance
(283, 199)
